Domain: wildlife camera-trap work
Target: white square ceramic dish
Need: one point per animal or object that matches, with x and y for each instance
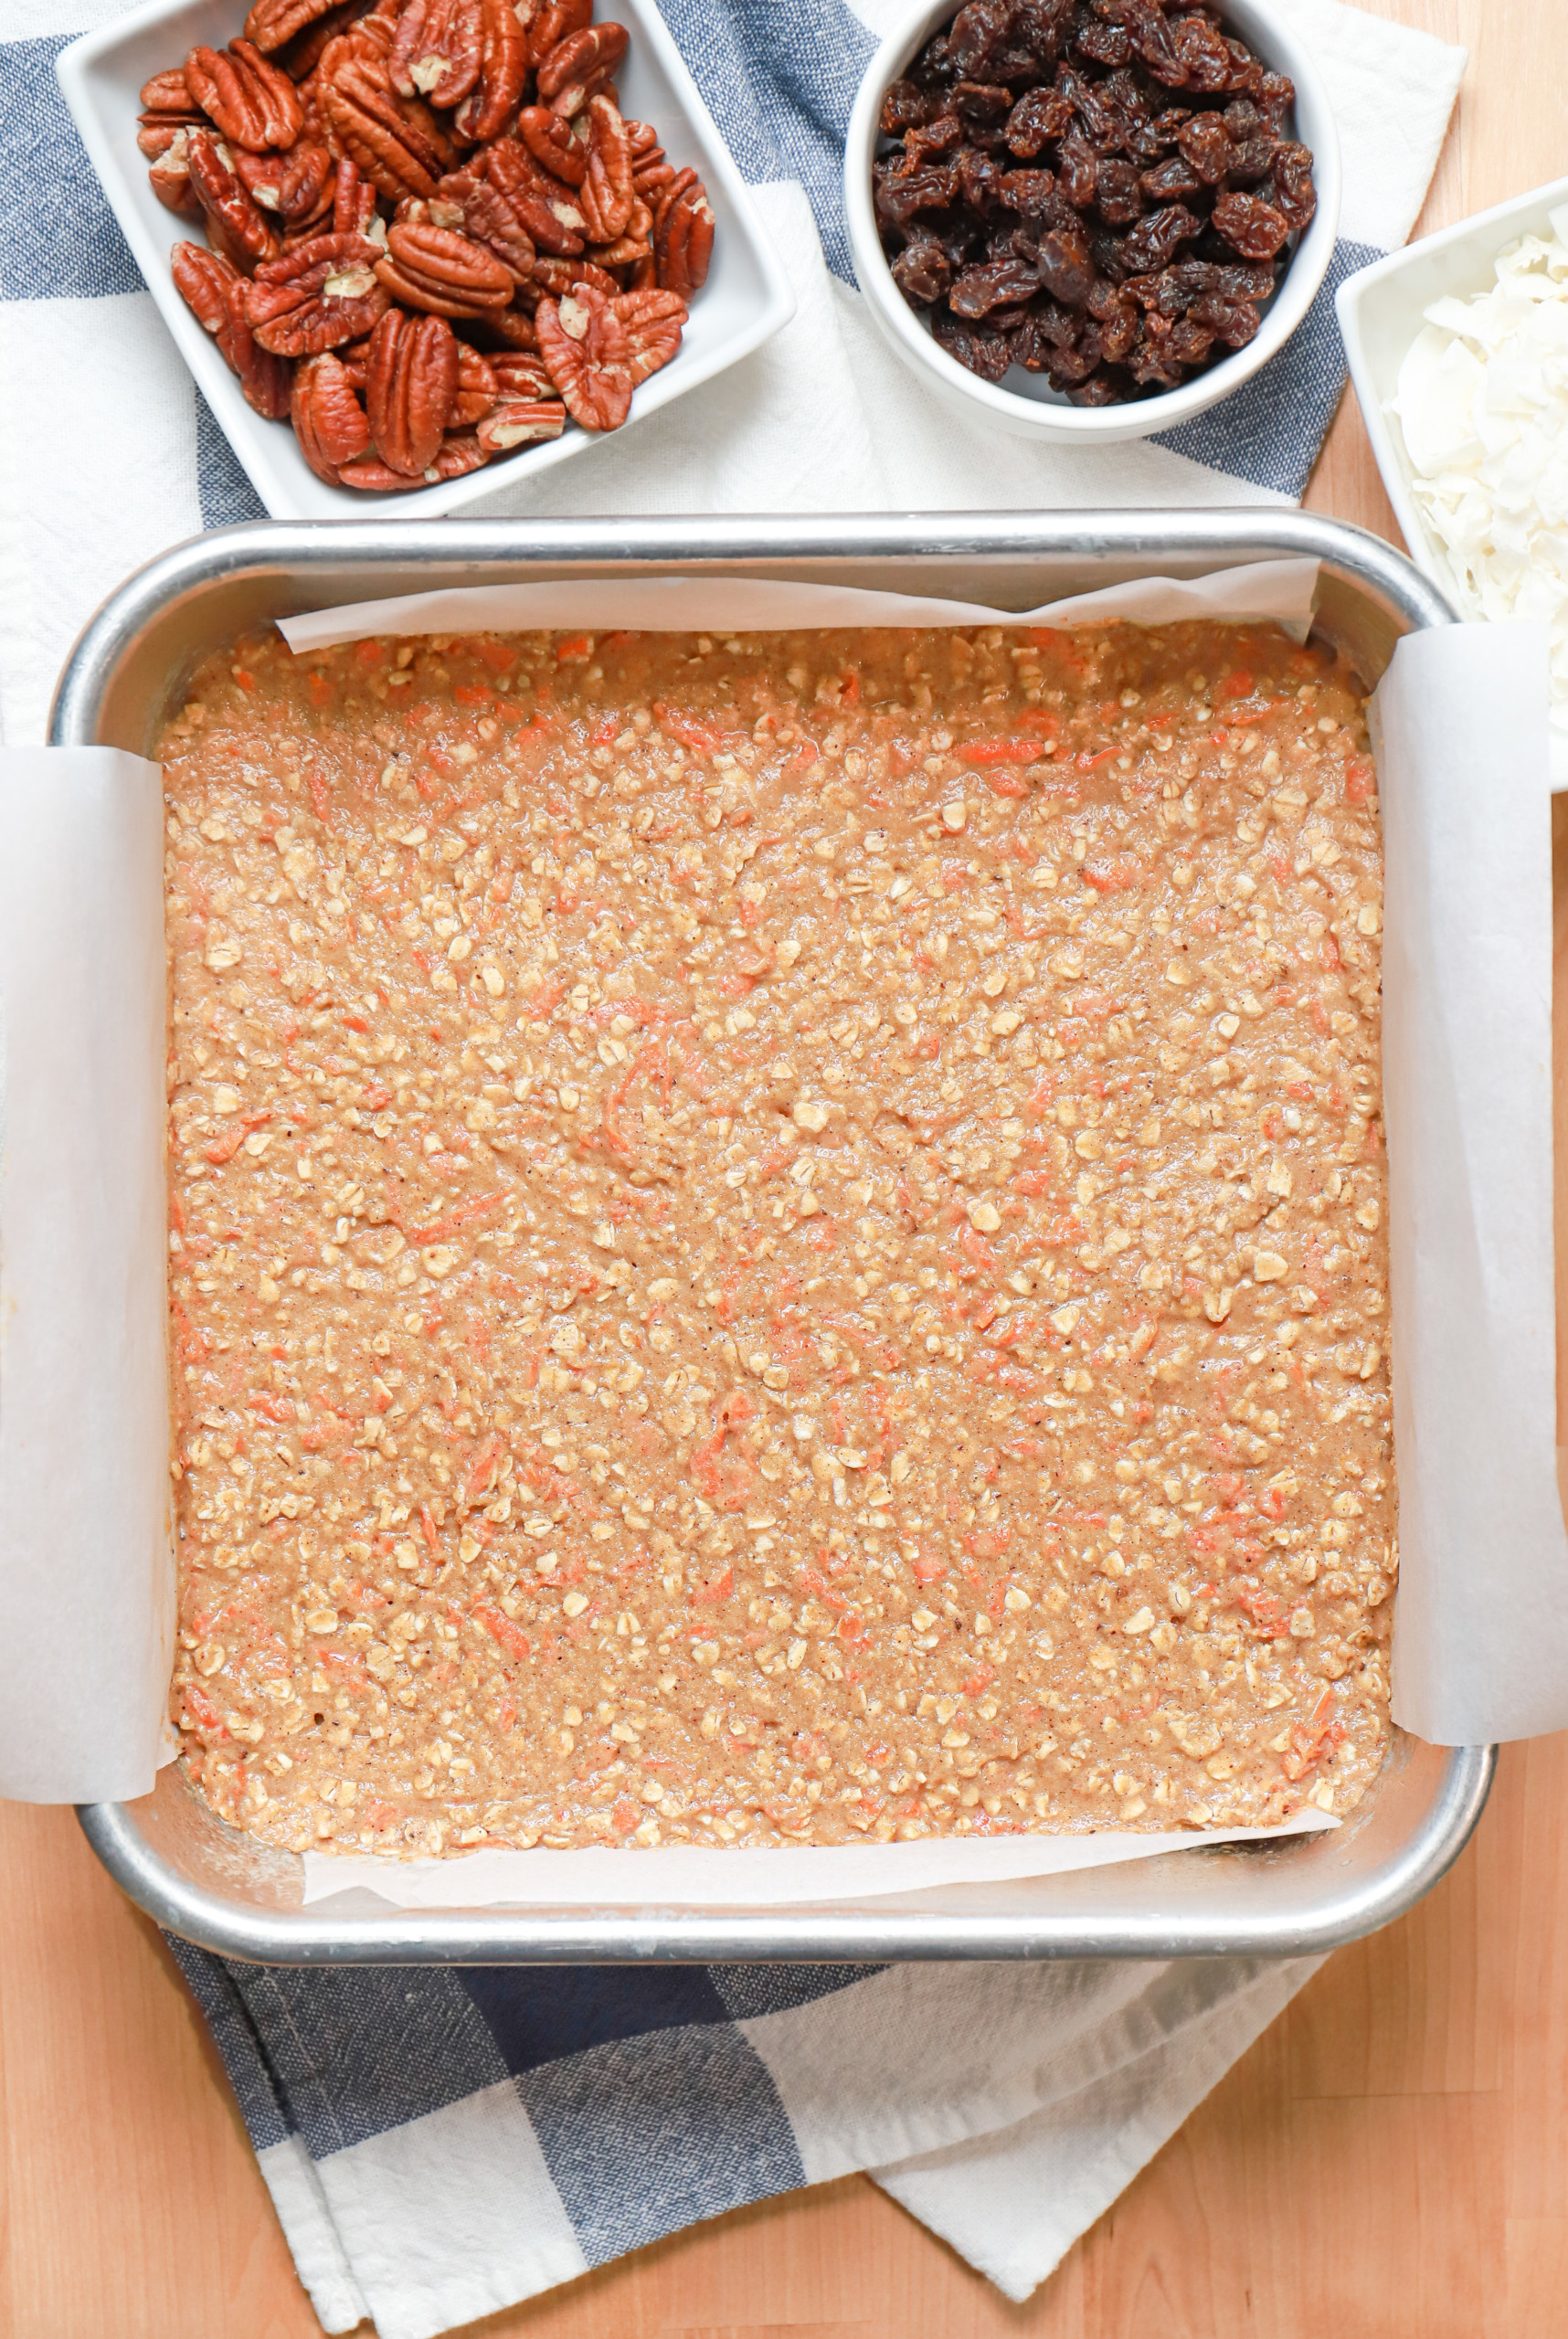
(1382, 309)
(746, 299)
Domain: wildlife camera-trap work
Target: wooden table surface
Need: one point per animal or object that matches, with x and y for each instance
(1390, 2159)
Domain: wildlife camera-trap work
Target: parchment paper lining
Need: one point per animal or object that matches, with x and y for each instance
(1462, 756)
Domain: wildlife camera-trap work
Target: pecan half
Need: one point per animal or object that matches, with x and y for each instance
(437, 270)
(214, 292)
(634, 250)
(550, 212)
(580, 65)
(683, 239)
(272, 22)
(518, 422)
(548, 138)
(170, 178)
(388, 146)
(435, 53)
(316, 297)
(235, 224)
(553, 24)
(295, 187)
(300, 56)
(489, 217)
(169, 94)
(460, 453)
(519, 374)
(558, 277)
(253, 104)
(477, 388)
(353, 201)
(588, 356)
(411, 386)
(372, 475)
(158, 133)
(607, 193)
(329, 421)
(653, 323)
(501, 77)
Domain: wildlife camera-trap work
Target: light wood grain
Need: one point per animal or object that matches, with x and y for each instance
(1390, 2161)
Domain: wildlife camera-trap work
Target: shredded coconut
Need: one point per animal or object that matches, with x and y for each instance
(1483, 405)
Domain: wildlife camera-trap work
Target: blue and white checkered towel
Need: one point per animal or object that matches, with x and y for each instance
(442, 2144)
(107, 454)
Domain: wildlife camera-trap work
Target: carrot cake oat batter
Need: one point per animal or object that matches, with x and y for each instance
(777, 1239)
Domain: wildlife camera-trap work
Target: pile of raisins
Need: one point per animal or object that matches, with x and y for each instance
(1100, 191)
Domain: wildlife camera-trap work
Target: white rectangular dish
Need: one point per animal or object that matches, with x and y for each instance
(746, 299)
(1382, 309)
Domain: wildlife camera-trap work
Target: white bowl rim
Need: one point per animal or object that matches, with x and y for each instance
(1303, 280)
(81, 57)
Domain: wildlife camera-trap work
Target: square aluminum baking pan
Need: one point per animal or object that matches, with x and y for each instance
(216, 1886)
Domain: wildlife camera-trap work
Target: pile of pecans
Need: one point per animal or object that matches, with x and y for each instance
(432, 236)
(1100, 191)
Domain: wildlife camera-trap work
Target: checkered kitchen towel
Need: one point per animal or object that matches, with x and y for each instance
(443, 2144)
(107, 454)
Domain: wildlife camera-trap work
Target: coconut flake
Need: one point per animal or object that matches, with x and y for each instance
(1482, 403)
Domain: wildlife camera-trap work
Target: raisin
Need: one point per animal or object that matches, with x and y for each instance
(1154, 241)
(1190, 343)
(1252, 161)
(900, 195)
(1156, 42)
(1116, 316)
(1150, 362)
(979, 291)
(1233, 321)
(1099, 123)
(906, 108)
(1204, 142)
(1031, 194)
(1077, 172)
(1205, 55)
(934, 67)
(979, 174)
(1066, 267)
(1117, 194)
(1246, 73)
(980, 42)
(1042, 115)
(1274, 97)
(1295, 196)
(1099, 390)
(1067, 367)
(1170, 180)
(982, 104)
(983, 351)
(1102, 44)
(922, 271)
(1255, 230)
(1166, 126)
(939, 137)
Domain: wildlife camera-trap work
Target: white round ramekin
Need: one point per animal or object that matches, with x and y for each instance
(1039, 412)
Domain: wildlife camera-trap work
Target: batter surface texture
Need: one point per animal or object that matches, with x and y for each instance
(777, 1239)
